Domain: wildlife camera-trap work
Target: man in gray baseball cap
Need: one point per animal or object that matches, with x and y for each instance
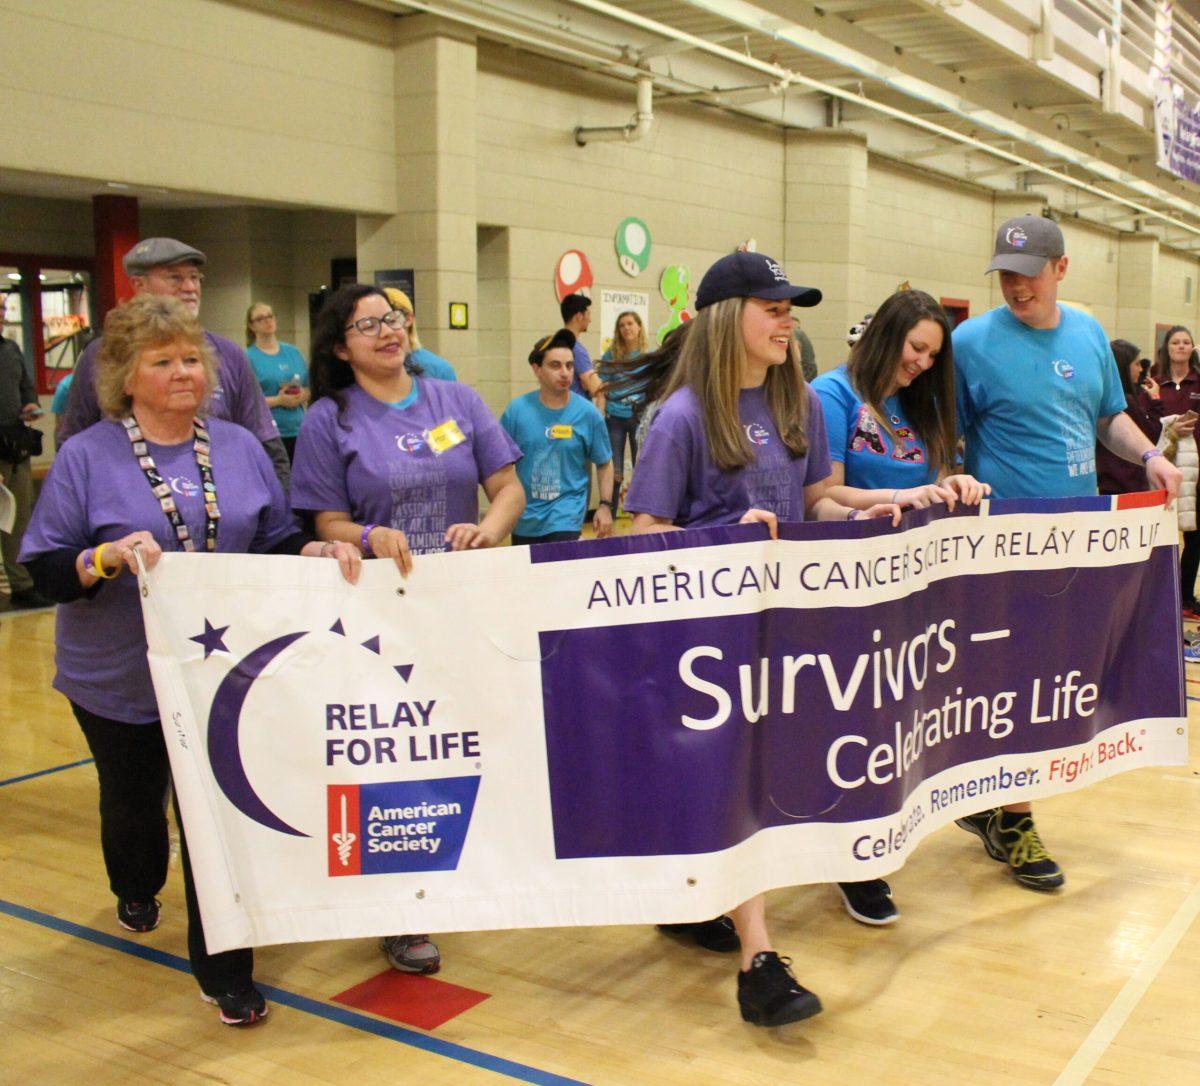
(169, 266)
(1037, 388)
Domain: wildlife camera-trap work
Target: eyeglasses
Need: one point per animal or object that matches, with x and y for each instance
(371, 326)
(179, 279)
(262, 317)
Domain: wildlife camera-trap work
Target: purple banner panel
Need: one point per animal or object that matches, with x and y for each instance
(689, 736)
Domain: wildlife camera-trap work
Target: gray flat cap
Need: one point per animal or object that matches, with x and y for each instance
(155, 252)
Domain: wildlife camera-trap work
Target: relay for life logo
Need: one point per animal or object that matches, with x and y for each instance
(373, 827)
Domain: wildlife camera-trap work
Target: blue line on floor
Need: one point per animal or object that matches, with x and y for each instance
(43, 772)
(341, 1015)
(1190, 697)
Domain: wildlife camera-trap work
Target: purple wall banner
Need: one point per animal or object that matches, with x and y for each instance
(649, 728)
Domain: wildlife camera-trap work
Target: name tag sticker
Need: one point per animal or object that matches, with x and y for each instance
(563, 430)
(444, 437)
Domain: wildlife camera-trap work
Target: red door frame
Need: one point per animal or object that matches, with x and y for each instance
(30, 266)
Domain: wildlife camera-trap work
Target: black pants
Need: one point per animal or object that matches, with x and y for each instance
(550, 537)
(289, 445)
(134, 772)
(1189, 565)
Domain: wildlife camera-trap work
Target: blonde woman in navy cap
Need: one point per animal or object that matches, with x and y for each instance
(740, 438)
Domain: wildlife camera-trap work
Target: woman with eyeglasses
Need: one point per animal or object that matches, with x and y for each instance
(393, 462)
(281, 371)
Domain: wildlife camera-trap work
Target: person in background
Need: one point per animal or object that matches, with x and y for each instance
(808, 356)
(1037, 388)
(18, 444)
(99, 509)
(559, 433)
(623, 407)
(428, 363)
(576, 312)
(281, 371)
(739, 438)
(165, 266)
(1177, 371)
(1144, 406)
(392, 461)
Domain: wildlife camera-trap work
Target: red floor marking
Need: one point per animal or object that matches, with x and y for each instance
(424, 1002)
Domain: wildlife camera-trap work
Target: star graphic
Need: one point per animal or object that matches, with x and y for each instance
(211, 639)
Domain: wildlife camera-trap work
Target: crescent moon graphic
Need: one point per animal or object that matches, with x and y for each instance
(175, 485)
(224, 751)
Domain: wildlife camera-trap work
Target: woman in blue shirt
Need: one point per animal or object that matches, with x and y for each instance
(623, 407)
(281, 371)
(889, 411)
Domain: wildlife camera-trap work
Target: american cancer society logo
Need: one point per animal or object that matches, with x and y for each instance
(399, 826)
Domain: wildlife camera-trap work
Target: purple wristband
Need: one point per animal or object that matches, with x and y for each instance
(1150, 454)
(854, 514)
(89, 561)
(364, 543)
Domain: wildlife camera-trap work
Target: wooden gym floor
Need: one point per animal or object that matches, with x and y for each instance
(980, 982)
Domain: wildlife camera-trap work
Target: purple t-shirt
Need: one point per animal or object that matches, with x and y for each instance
(375, 461)
(677, 479)
(96, 492)
(237, 397)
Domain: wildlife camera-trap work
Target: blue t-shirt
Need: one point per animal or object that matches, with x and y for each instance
(59, 404)
(583, 364)
(276, 371)
(872, 459)
(1029, 400)
(557, 445)
(433, 365)
(623, 404)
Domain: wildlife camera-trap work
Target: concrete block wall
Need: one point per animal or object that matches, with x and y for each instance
(702, 184)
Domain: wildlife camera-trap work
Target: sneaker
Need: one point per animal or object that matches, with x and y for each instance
(242, 1007)
(769, 994)
(869, 902)
(1191, 654)
(1031, 864)
(411, 953)
(979, 824)
(1012, 838)
(141, 915)
(719, 934)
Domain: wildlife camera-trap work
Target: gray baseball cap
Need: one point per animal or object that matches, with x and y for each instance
(1024, 244)
(155, 252)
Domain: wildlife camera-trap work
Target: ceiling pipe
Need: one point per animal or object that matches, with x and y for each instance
(635, 130)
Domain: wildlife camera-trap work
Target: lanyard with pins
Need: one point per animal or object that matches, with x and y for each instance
(162, 489)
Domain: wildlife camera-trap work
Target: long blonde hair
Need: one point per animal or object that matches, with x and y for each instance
(617, 348)
(711, 363)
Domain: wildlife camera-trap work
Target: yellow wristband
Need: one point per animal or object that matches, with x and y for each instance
(98, 565)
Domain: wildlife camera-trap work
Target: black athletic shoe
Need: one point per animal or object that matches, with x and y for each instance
(137, 915)
(719, 934)
(979, 824)
(769, 994)
(869, 902)
(243, 1006)
(1012, 838)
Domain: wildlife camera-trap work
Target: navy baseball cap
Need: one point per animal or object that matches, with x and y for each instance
(1024, 244)
(751, 275)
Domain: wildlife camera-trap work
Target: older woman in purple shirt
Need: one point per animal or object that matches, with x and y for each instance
(149, 477)
(393, 462)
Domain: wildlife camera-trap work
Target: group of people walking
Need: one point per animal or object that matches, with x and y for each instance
(174, 449)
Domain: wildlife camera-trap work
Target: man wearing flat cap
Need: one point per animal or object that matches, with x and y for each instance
(167, 266)
(1038, 387)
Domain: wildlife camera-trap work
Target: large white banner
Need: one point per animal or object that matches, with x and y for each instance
(649, 728)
